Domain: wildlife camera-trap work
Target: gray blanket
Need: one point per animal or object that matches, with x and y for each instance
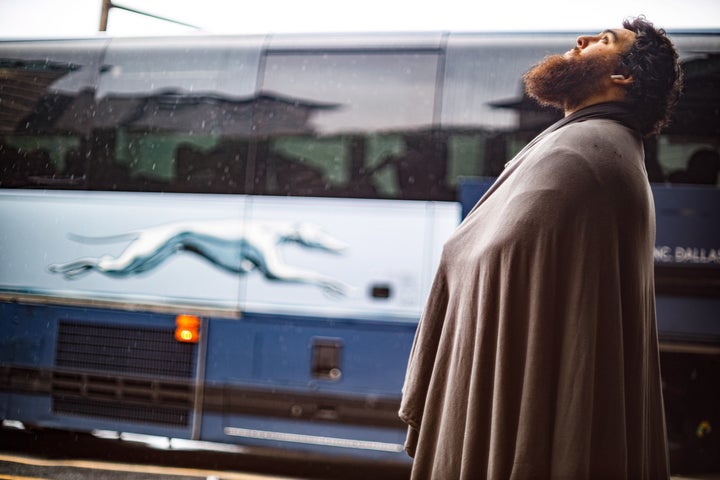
(537, 353)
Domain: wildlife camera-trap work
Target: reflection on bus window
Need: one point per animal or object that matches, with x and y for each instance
(365, 123)
(373, 137)
(687, 152)
(46, 101)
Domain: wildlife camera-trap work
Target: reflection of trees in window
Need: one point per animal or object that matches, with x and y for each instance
(421, 168)
(409, 165)
(702, 169)
(221, 169)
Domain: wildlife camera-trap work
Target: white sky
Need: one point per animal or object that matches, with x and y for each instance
(26, 18)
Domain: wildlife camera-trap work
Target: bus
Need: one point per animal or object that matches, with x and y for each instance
(230, 239)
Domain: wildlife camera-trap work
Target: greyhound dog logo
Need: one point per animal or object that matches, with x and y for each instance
(233, 246)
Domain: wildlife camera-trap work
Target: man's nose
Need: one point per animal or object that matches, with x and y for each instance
(583, 41)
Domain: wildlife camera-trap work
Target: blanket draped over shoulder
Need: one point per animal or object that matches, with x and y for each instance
(537, 352)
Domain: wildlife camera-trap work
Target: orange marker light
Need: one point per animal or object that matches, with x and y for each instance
(187, 328)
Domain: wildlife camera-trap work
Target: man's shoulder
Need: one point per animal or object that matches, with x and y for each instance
(592, 148)
(598, 138)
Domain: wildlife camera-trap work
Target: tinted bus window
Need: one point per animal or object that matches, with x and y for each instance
(353, 124)
(687, 152)
(175, 115)
(488, 118)
(47, 103)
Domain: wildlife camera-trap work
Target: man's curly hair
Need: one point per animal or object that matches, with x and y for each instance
(653, 64)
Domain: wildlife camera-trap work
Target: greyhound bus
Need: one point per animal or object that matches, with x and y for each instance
(230, 238)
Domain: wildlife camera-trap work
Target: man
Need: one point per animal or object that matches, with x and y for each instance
(537, 352)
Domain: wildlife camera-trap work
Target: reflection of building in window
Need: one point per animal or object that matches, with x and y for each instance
(379, 91)
(421, 171)
(24, 82)
(168, 111)
(702, 168)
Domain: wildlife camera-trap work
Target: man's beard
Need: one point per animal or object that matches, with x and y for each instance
(567, 82)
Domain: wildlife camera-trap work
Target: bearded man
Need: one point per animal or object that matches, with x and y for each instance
(537, 352)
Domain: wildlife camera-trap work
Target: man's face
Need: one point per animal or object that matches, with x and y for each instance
(608, 43)
(567, 81)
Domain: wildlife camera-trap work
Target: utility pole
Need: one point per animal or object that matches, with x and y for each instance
(108, 4)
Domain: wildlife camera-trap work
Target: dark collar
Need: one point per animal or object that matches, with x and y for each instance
(618, 111)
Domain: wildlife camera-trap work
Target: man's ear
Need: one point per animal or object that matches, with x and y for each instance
(621, 80)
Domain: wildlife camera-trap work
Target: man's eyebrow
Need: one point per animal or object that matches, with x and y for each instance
(611, 32)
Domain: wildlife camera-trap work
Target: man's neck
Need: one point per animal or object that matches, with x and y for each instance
(611, 95)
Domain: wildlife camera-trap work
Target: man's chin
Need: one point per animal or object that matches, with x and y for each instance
(563, 81)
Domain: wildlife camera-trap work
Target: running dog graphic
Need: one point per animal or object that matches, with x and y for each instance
(233, 246)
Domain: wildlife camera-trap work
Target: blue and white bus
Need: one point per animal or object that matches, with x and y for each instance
(230, 239)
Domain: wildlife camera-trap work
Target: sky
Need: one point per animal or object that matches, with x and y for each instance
(43, 18)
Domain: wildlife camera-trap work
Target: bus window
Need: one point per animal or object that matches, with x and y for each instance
(688, 150)
(46, 92)
(689, 163)
(350, 125)
(176, 117)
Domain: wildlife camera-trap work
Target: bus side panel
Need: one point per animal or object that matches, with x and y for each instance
(113, 247)
(96, 369)
(314, 384)
(313, 367)
(89, 251)
(383, 266)
(687, 263)
(688, 320)
(295, 255)
(26, 339)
